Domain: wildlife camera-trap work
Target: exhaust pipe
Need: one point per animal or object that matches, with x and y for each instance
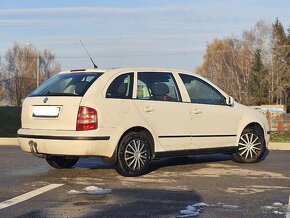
(33, 149)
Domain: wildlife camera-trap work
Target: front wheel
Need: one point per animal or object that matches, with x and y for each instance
(251, 146)
(134, 155)
(62, 162)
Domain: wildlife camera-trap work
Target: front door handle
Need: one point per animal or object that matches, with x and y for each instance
(148, 109)
(196, 111)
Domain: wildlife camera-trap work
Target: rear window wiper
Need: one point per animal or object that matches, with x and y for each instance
(60, 94)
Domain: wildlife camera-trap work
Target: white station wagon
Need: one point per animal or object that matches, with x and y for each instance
(130, 116)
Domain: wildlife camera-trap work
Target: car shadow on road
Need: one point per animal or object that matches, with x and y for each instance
(93, 163)
(97, 163)
(188, 160)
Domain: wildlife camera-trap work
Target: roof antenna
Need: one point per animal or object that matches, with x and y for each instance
(95, 66)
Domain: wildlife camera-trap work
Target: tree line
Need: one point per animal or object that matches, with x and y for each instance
(254, 67)
(22, 68)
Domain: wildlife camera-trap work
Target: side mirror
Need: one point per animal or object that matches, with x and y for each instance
(230, 101)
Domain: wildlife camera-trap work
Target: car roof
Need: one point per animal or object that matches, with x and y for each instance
(125, 69)
(121, 70)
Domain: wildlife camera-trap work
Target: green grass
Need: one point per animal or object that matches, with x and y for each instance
(9, 121)
(280, 137)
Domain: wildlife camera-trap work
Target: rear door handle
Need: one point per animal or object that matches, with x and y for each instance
(196, 111)
(148, 109)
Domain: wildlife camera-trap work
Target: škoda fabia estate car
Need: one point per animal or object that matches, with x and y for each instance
(131, 116)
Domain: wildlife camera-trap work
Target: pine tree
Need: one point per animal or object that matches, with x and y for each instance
(280, 69)
(258, 82)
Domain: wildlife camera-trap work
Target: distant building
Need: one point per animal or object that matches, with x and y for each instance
(273, 109)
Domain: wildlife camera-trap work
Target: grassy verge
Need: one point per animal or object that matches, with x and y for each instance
(280, 137)
(9, 121)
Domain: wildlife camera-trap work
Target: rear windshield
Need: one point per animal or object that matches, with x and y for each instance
(68, 84)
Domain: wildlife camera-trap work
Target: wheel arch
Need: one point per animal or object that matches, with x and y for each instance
(139, 129)
(255, 125)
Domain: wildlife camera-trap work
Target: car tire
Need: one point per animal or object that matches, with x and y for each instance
(251, 146)
(62, 162)
(134, 155)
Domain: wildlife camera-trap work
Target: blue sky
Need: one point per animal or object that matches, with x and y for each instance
(127, 33)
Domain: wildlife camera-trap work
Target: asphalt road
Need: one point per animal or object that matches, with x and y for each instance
(216, 185)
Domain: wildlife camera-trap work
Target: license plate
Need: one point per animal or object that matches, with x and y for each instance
(45, 111)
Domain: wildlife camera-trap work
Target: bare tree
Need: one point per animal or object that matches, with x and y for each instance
(21, 70)
(2, 81)
(20, 66)
(49, 66)
(243, 66)
(227, 63)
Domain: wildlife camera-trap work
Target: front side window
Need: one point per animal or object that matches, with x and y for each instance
(157, 86)
(201, 92)
(66, 84)
(121, 87)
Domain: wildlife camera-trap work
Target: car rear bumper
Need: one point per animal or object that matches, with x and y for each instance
(65, 143)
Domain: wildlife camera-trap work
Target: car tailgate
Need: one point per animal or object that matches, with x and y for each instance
(51, 113)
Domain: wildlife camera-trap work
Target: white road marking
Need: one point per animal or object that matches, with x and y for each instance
(288, 211)
(28, 195)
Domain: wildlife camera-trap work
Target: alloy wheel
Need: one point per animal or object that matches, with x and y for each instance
(250, 146)
(136, 154)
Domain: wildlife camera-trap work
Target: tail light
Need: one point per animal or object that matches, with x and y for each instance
(87, 119)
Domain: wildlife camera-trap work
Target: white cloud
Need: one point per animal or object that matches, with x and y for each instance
(176, 17)
(26, 22)
(103, 39)
(90, 10)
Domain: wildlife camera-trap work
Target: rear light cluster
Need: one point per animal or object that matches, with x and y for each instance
(87, 119)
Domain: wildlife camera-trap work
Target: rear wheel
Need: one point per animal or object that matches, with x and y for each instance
(62, 162)
(251, 146)
(134, 155)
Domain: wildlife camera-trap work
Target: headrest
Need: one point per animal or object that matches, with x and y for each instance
(160, 89)
(122, 89)
(80, 87)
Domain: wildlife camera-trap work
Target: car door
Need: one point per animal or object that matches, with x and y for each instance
(213, 123)
(159, 101)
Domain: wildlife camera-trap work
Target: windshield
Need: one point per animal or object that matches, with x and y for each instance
(68, 84)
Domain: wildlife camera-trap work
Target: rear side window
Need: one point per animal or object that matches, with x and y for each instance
(157, 86)
(121, 87)
(68, 84)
